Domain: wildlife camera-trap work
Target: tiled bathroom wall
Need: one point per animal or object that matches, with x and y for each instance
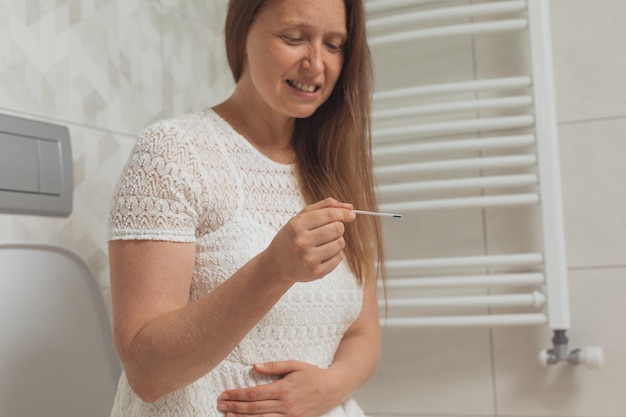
(105, 69)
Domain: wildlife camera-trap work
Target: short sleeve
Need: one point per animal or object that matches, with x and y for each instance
(159, 195)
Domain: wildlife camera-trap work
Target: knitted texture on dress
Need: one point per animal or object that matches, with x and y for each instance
(194, 179)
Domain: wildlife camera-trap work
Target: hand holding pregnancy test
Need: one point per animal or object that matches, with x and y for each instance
(376, 213)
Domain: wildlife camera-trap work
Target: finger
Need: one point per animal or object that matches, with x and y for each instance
(313, 219)
(258, 393)
(329, 265)
(326, 233)
(317, 268)
(323, 253)
(278, 367)
(316, 259)
(327, 202)
(263, 407)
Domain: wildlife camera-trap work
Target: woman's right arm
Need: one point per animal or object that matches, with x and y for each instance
(165, 343)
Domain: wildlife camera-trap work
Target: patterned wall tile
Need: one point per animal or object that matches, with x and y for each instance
(196, 72)
(210, 12)
(98, 66)
(82, 61)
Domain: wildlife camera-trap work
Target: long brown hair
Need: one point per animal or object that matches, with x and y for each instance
(333, 145)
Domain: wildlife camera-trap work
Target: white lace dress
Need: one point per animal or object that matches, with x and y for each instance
(194, 179)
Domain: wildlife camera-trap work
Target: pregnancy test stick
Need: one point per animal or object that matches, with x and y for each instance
(375, 213)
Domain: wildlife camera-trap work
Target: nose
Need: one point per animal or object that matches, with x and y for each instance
(314, 60)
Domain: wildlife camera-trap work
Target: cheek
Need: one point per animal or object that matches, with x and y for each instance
(262, 74)
(271, 64)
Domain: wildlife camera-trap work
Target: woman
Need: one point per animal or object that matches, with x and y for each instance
(239, 287)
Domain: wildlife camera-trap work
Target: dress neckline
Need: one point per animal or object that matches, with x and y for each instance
(286, 167)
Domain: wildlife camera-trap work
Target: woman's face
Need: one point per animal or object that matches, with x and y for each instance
(294, 55)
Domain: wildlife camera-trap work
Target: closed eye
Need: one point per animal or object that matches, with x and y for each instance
(333, 47)
(292, 40)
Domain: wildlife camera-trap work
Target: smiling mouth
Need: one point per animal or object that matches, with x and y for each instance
(307, 88)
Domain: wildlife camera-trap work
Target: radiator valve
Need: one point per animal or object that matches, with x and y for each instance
(591, 357)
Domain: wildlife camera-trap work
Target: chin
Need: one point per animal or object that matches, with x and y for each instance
(303, 113)
(304, 116)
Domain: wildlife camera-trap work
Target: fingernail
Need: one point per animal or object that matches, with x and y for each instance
(259, 365)
(224, 396)
(351, 215)
(222, 407)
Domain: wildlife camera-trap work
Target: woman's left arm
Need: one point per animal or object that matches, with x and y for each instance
(358, 353)
(306, 390)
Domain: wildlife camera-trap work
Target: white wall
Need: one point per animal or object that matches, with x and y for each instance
(483, 372)
(107, 68)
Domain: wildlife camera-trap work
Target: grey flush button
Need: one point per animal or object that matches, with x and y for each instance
(49, 167)
(19, 164)
(36, 171)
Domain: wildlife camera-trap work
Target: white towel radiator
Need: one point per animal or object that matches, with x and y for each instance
(424, 147)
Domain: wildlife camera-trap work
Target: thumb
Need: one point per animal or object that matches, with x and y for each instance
(278, 367)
